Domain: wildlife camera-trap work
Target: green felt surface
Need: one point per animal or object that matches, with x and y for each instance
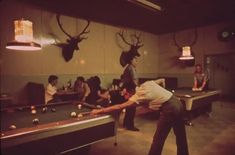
(24, 119)
(188, 92)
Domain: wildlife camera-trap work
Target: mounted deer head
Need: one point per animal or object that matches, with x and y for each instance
(72, 42)
(133, 51)
(181, 46)
(187, 56)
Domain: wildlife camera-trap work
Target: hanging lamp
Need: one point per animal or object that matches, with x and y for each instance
(186, 53)
(23, 37)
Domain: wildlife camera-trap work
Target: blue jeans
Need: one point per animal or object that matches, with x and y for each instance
(171, 116)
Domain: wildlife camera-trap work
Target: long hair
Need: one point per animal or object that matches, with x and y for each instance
(196, 71)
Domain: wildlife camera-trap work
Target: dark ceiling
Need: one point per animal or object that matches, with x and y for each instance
(176, 14)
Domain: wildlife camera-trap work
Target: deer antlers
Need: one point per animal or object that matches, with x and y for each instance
(85, 31)
(72, 42)
(138, 40)
(193, 42)
(60, 25)
(137, 37)
(121, 34)
(133, 51)
(79, 36)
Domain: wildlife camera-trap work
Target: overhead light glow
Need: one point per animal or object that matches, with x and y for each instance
(23, 40)
(146, 4)
(186, 53)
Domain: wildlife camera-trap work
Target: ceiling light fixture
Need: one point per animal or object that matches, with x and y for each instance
(146, 4)
(23, 37)
(186, 53)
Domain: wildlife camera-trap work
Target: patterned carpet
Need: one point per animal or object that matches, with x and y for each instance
(213, 135)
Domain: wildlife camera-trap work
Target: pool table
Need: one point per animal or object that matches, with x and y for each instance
(196, 101)
(56, 132)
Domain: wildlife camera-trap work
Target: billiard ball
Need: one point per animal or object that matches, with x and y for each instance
(197, 89)
(173, 91)
(73, 114)
(187, 95)
(79, 106)
(19, 108)
(98, 106)
(44, 109)
(80, 115)
(32, 107)
(33, 111)
(12, 127)
(53, 110)
(35, 121)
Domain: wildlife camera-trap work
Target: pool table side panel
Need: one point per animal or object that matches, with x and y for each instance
(38, 135)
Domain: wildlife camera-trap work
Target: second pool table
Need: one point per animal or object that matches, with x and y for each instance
(196, 101)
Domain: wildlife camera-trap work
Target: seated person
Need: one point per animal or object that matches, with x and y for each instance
(104, 97)
(116, 84)
(200, 79)
(98, 95)
(82, 88)
(51, 90)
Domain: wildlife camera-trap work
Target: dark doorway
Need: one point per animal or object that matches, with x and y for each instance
(221, 69)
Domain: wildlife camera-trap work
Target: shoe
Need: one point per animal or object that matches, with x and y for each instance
(133, 129)
(189, 123)
(208, 114)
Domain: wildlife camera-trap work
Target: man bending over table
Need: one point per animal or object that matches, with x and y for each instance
(171, 114)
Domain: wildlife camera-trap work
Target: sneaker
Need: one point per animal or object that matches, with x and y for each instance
(209, 114)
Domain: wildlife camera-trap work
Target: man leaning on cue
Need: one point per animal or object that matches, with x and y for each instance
(171, 114)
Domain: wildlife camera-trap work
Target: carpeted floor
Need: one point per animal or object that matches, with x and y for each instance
(213, 135)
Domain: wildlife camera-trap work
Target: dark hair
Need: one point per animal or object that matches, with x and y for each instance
(130, 57)
(130, 87)
(198, 65)
(80, 78)
(52, 78)
(96, 80)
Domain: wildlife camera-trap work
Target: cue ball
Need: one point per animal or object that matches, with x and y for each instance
(36, 121)
(187, 95)
(12, 127)
(73, 114)
(173, 91)
(79, 106)
(53, 110)
(80, 115)
(98, 106)
(33, 111)
(44, 109)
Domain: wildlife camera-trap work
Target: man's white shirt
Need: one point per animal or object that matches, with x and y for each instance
(152, 93)
(49, 92)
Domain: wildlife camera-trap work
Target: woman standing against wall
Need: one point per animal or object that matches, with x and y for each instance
(200, 79)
